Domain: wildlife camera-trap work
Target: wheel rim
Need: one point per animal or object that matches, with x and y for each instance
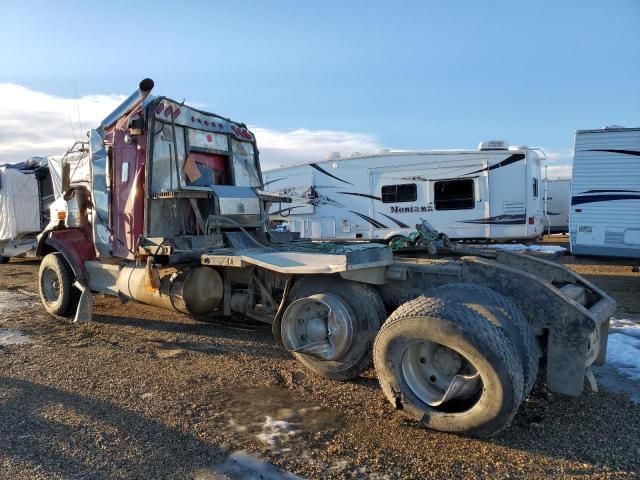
(320, 326)
(50, 285)
(437, 374)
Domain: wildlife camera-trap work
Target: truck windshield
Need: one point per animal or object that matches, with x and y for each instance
(210, 161)
(244, 164)
(203, 159)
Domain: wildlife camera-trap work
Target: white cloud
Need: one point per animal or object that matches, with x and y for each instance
(37, 123)
(296, 146)
(563, 155)
(558, 171)
(559, 163)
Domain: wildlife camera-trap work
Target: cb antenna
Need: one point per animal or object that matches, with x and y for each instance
(75, 87)
(73, 130)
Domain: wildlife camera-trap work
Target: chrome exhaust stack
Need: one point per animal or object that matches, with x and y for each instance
(140, 94)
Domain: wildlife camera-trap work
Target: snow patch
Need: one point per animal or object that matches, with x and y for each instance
(623, 347)
(242, 466)
(12, 337)
(518, 247)
(16, 300)
(275, 432)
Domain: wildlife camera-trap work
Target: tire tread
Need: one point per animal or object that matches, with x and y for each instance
(474, 325)
(526, 342)
(70, 294)
(363, 298)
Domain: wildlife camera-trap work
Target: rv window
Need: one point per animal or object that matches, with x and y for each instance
(454, 195)
(407, 192)
(535, 188)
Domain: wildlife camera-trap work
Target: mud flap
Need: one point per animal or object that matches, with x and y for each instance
(592, 380)
(566, 362)
(84, 313)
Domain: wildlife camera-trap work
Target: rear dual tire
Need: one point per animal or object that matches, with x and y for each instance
(455, 328)
(502, 312)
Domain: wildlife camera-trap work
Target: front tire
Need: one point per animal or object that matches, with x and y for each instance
(447, 367)
(55, 281)
(357, 305)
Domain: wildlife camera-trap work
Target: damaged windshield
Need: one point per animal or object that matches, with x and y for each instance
(197, 159)
(244, 164)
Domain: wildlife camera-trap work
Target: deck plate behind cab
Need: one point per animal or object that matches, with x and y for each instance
(350, 257)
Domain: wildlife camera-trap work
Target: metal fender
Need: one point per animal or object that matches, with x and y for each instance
(75, 246)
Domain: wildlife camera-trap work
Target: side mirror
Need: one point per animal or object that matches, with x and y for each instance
(66, 176)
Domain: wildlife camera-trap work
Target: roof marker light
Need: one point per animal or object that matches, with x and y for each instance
(168, 111)
(176, 113)
(159, 108)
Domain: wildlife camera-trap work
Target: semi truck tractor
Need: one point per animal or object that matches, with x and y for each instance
(173, 214)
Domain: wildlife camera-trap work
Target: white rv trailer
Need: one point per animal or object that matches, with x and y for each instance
(25, 195)
(557, 204)
(605, 195)
(27, 190)
(494, 192)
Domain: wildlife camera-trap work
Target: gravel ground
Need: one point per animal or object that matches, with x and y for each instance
(144, 393)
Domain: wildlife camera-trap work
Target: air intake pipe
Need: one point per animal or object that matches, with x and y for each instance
(143, 91)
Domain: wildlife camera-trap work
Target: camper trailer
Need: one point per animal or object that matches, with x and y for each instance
(557, 203)
(494, 192)
(27, 190)
(605, 194)
(25, 195)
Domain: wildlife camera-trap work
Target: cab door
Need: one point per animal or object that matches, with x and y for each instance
(127, 197)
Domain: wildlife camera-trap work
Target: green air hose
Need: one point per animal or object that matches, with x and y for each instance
(410, 240)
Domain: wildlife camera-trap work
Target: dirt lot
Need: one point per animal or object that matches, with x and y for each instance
(143, 393)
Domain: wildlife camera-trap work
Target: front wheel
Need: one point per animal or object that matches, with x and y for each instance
(55, 281)
(444, 365)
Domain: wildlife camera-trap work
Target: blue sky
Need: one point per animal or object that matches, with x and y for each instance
(423, 74)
